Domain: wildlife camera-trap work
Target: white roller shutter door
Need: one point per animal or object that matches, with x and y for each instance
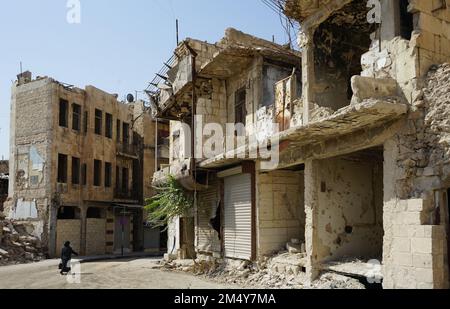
(238, 217)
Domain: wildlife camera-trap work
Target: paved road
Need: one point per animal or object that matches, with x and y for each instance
(122, 274)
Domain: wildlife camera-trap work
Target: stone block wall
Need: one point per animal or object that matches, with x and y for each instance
(95, 236)
(414, 252)
(30, 154)
(280, 210)
(68, 230)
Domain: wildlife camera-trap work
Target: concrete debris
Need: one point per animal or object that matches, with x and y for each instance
(295, 247)
(331, 281)
(17, 246)
(281, 271)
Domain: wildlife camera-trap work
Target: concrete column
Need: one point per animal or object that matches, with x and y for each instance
(312, 182)
(308, 72)
(83, 217)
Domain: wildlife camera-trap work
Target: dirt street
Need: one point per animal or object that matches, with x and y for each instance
(123, 274)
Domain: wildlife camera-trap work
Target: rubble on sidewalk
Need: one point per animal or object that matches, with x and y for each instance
(17, 245)
(281, 271)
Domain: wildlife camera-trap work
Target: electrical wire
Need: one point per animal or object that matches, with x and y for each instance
(291, 28)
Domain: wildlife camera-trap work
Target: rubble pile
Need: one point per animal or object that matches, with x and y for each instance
(282, 271)
(17, 245)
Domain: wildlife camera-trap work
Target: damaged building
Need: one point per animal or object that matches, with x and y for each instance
(363, 174)
(82, 163)
(4, 179)
(232, 81)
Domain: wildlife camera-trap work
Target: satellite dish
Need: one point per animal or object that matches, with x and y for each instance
(130, 98)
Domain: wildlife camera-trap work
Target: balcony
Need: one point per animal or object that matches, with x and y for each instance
(126, 195)
(127, 150)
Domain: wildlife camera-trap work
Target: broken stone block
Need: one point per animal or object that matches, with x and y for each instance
(294, 248)
(243, 266)
(369, 88)
(3, 252)
(30, 249)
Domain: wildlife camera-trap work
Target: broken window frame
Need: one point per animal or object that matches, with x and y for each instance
(406, 20)
(98, 121)
(62, 168)
(76, 168)
(108, 175)
(63, 113)
(97, 175)
(240, 108)
(108, 125)
(76, 117)
(125, 133)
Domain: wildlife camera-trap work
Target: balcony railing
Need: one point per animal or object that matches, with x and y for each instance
(128, 195)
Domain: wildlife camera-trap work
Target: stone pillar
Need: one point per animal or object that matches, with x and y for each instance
(306, 42)
(311, 209)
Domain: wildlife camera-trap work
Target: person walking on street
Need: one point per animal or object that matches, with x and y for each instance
(66, 256)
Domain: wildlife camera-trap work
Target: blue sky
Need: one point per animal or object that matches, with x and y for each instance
(119, 44)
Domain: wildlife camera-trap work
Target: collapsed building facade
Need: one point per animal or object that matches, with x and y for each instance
(363, 173)
(79, 160)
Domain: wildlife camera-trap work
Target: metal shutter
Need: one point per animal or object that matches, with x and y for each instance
(208, 238)
(238, 217)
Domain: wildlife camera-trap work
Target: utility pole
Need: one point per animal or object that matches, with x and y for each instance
(177, 31)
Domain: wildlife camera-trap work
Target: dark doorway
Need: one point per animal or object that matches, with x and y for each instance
(406, 20)
(68, 213)
(448, 229)
(95, 213)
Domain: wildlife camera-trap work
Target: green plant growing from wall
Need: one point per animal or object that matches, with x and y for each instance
(170, 202)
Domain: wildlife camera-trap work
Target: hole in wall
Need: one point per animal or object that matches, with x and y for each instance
(349, 229)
